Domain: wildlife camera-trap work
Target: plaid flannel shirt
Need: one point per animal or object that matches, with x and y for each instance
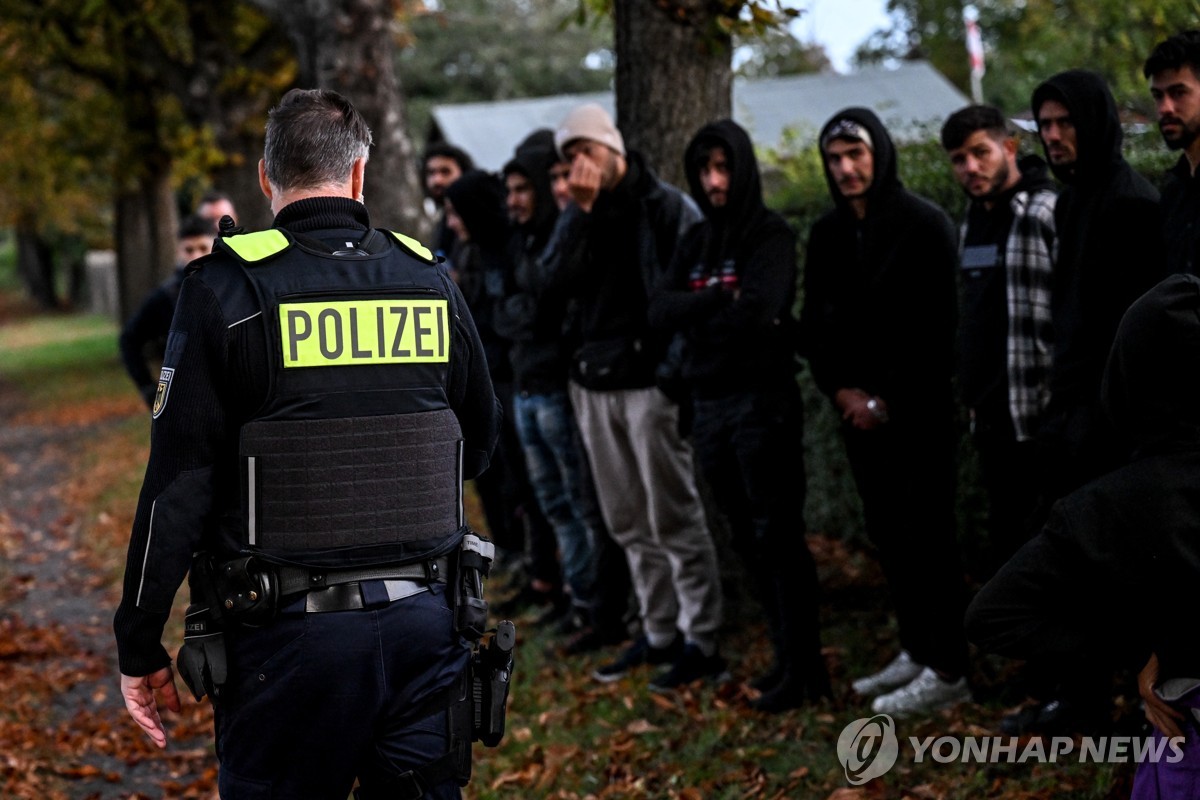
(1029, 257)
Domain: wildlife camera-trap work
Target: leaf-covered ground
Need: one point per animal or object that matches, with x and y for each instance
(73, 442)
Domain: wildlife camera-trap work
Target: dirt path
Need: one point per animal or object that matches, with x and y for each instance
(64, 732)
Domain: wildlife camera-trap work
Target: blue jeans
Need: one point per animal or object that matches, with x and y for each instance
(554, 461)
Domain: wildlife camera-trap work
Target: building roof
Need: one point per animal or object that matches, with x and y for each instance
(909, 99)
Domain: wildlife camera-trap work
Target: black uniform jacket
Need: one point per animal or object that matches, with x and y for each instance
(217, 349)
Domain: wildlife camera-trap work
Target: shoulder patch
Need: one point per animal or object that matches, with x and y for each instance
(413, 246)
(257, 246)
(162, 392)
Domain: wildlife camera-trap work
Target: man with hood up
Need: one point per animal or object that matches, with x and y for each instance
(1111, 577)
(1110, 251)
(475, 212)
(730, 292)
(878, 329)
(535, 319)
(1004, 334)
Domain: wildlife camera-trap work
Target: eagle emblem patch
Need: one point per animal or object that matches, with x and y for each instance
(163, 391)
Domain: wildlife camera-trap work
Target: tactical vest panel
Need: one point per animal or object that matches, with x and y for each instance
(353, 482)
(354, 458)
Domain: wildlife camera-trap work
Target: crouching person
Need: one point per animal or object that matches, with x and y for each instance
(1112, 574)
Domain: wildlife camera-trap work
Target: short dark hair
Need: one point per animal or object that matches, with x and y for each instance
(1175, 52)
(195, 225)
(447, 150)
(962, 123)
(313, 138)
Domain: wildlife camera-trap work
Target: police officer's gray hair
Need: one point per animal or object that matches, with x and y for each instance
(313, 138)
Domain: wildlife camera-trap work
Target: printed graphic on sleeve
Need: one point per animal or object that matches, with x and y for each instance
(351, 332)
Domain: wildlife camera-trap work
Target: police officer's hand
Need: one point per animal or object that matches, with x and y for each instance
(583, 181)
(141, 705)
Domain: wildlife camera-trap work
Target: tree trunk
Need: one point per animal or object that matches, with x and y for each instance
(35, 263)
(673, 76)
(349, 46)
(145, 221)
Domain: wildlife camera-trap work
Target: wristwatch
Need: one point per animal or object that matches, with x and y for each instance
(876, 410)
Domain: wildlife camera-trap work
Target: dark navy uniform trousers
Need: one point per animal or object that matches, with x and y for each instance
(314, 700)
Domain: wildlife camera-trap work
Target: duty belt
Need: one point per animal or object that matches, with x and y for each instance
(301, 579)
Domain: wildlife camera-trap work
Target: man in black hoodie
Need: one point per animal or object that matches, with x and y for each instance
(878, 331)
(730, 292)
(475, 213)
(1110, 251)
(1005, 345)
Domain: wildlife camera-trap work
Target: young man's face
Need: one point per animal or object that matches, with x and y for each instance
(520, 200)
(714, 177)
(213, 210)
(604, 157)
(1057, 130)
(440, 172)
(983, 166)
(852, 165)
(1176, 94)
(189, 248)
(559, 186)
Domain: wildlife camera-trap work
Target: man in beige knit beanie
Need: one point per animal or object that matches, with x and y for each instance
(610, 249)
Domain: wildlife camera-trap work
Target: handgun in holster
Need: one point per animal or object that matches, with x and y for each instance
(491, 676)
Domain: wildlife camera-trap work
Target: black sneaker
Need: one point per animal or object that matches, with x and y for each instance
(692, 665)
(638, 653)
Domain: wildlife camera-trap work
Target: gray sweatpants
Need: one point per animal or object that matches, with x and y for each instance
(648, 498)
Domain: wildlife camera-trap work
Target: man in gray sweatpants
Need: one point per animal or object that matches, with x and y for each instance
(608, 251)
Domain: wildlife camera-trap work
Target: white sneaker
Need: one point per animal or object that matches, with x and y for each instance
(925, 693)
(898, 673)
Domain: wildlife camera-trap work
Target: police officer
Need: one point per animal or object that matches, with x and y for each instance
(322, 400)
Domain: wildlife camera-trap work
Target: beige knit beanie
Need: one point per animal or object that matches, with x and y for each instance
(589, 121)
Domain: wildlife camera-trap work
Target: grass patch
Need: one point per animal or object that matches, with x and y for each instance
(58, 360)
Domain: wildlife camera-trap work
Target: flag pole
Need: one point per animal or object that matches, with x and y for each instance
(974, 51)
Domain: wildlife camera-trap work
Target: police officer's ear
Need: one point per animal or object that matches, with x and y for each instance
(357, 177)
(263, 183)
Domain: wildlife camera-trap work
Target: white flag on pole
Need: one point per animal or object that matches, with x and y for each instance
(974, 40)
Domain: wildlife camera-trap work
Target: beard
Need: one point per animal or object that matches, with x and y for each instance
(999, 183)
(1187, 134)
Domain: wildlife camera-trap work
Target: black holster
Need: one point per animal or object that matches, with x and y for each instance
(491, 675)
(202, 660)
(472, 564)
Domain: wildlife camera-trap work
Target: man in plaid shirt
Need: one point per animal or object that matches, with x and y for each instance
(1005, 332)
